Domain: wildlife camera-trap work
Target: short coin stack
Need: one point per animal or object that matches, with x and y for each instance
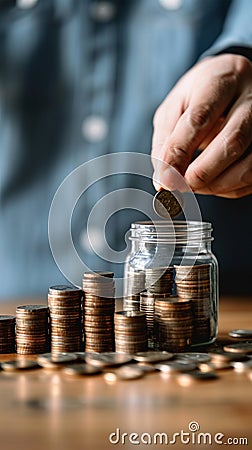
(173, 324)
(32, 329)
(130, 332)
(135, 283)
(159, 280)
(147, 306)
(99, 308)
(194, 283)
(7, 334)
(65, 303)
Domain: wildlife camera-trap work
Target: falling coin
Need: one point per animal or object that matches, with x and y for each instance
(244, 334)
(166, 203)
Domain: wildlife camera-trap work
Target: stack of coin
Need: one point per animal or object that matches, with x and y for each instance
(147, 306)
(7, 334)
(65, 303)
(32, 329)
(134, 284)
(130, 332)
(193, 282)
(99, 308)
(159, 280)
(173, 324)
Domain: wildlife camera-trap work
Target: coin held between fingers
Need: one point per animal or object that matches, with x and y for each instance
(168, 204)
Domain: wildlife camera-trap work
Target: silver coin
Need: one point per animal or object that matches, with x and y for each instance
(242, 366)
(19, 364)
(245, 347)
(152, 356)
(176, 366)
(81, 369)
(194, 357)
(167, 204)
(186, 379)
(53, 361)
(247, 334)
(125, 373)
(108, 359)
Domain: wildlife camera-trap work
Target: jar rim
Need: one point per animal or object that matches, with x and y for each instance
(177, 231)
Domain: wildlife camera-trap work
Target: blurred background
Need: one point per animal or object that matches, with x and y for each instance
(83, 78)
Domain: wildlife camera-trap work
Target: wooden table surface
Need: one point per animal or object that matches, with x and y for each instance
(43, 410)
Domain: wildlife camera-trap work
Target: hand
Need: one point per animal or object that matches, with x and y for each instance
(210, 108)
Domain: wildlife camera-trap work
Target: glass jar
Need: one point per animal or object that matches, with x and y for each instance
(171, 274)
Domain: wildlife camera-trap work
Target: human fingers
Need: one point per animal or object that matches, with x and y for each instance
(225, 149)
(202, 108)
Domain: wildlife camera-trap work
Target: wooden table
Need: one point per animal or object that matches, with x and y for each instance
(43, 410)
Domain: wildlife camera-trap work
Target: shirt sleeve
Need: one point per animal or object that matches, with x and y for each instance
(236, 36)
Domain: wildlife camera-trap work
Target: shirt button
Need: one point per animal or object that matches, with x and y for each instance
(171, 4)
(94, 129)
(102, 11)
(26, 4)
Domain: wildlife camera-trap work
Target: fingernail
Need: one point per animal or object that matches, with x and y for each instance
(169, 178)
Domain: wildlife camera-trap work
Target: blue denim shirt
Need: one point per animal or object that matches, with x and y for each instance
(71, 67)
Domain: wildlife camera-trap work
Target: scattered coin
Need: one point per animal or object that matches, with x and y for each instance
(19, 364)
(54, 361)
(124, 373)
(194, 357)
(108, 359)
(244, 334)
(242, 366)
(81, 369)
(220, 355)
(245, 347)
(186, 379)
(167, 204)
(152, 356)
(176, 366)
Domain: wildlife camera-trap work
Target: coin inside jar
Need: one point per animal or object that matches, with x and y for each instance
(168, 204)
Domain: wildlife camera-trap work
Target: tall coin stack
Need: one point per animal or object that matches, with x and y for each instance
(193, 282)
(147, 306)
(135, 284)
(173, 324)
(32, 329)
(7, 334)
(65, 303)
(159, 280)
(130, 332)
(99, 308)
